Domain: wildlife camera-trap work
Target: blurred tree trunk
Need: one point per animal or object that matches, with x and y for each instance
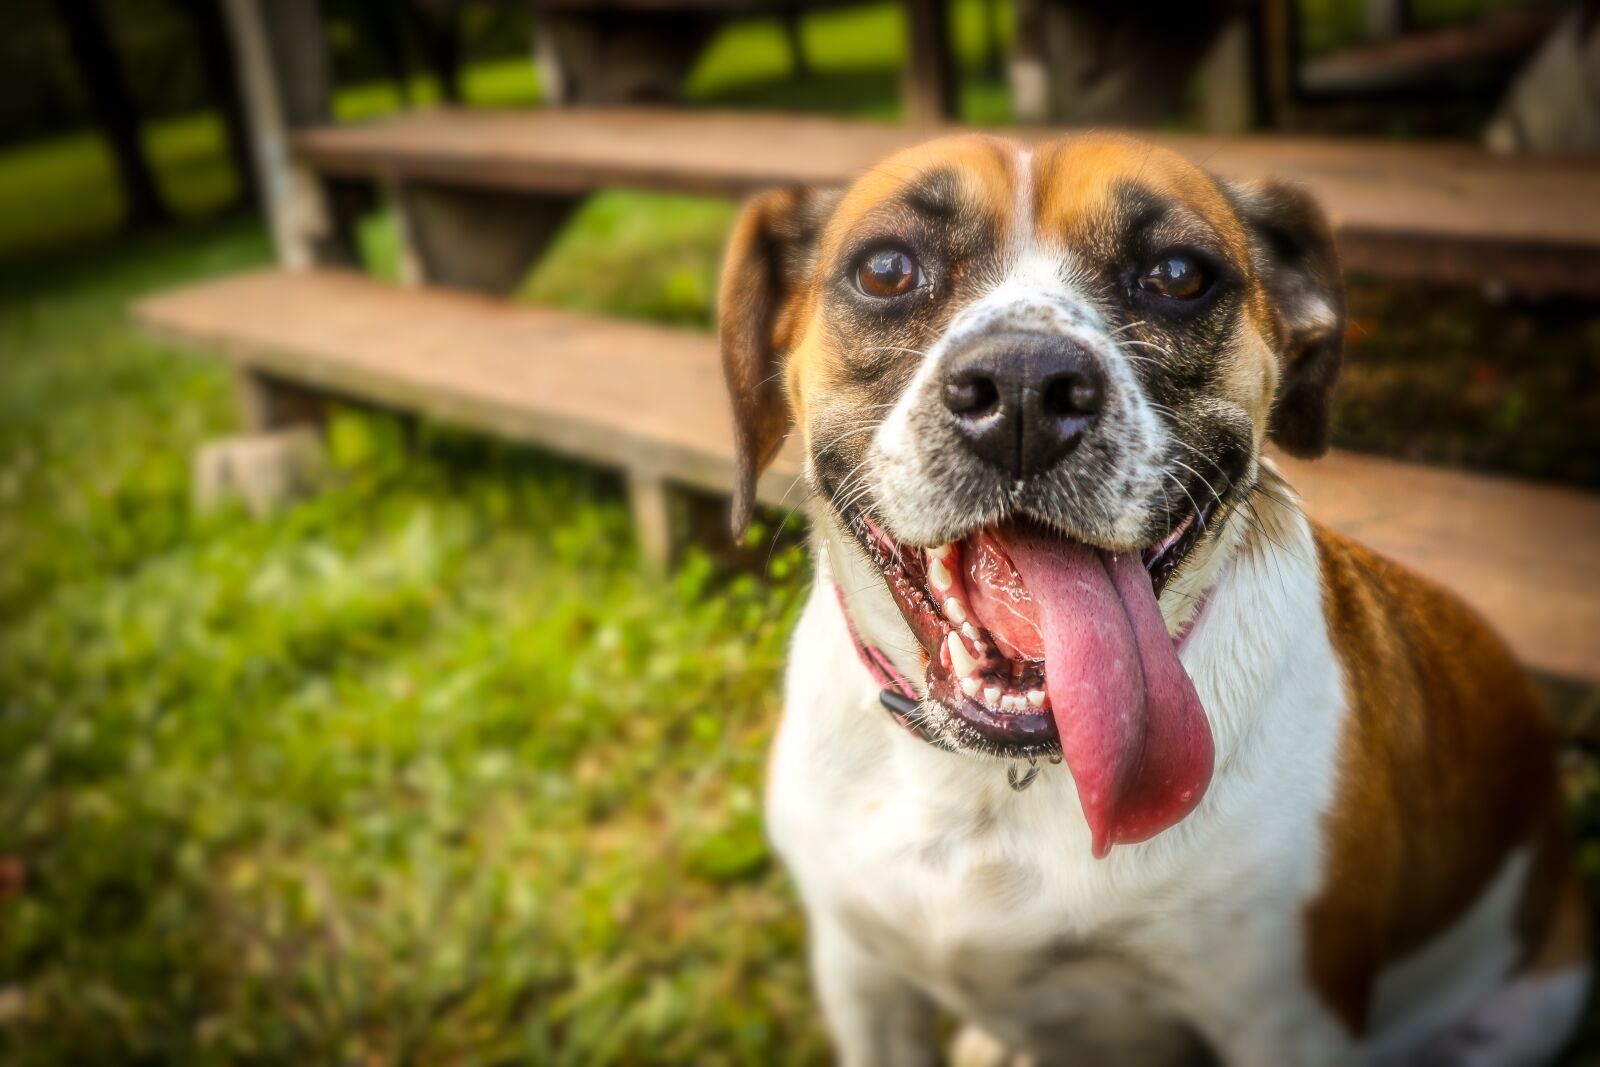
(115, 110)
(994, 54)
(385, 25)
(219, 64)
(438, 29)
(799, 60)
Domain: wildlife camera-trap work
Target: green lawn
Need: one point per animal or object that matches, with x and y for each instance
(419, 770)
(427, 769)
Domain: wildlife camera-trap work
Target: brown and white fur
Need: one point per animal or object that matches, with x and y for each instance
(1378, 872)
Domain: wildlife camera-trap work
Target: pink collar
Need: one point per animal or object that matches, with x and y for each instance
(895, 691)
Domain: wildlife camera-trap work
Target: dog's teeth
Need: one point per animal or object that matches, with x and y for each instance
(991, 696)
(939, 575)
(961, 661)
(955, 611)
(971, 686)
(969, 632)
(1036, 697)
(1012, 702)
(940, 552)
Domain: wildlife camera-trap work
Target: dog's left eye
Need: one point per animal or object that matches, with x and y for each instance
(1177, 276)
(887, 272)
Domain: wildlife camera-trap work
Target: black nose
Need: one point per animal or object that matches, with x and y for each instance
(1022, 401)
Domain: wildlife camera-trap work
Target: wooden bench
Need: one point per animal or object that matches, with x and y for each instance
(1444, 212)
(480, 194)
(648, 400)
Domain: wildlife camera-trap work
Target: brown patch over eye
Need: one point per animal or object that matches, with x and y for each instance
(887, 272)
(1177, 276)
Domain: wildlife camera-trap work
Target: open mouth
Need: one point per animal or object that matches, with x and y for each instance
(979, 624)
(1038, 644)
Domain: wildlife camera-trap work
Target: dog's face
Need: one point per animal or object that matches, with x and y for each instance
(1032, 387)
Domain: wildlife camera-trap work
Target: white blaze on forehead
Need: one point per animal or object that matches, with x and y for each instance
(1023, 229)
(1037, 285)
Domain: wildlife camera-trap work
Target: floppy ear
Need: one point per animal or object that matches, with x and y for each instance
(1295, 259)
(768, 263)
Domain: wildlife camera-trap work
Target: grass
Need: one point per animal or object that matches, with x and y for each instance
(60, 191)
(416, 771)
(428, 768)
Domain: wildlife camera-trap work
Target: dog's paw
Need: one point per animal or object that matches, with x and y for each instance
(1523, 1025)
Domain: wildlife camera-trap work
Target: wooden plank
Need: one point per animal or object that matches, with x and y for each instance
(1430, 59)
(1397, 206)
(622, 394)
(649, 398)
(1516, 551)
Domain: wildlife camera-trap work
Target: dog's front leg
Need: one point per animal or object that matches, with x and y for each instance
(876, 1017)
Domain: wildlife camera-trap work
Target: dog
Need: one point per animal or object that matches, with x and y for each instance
(1092, 739)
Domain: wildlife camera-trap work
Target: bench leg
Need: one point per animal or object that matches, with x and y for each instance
(279, 457)
(930, 80)
(1228, 79)
(650, 499)
(1027, 72)
(620, 57)
(266, 403)
(1079, 62)
(286, 82)
(479, 240)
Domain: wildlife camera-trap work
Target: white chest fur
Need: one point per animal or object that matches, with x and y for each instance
(988, 901)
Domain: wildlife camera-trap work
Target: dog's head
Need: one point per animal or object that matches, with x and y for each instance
(1032, 386)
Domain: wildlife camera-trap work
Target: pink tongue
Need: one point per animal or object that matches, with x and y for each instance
(1133, 732)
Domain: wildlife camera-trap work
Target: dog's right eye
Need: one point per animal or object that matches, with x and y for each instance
(887, 272)
(1176, 276)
